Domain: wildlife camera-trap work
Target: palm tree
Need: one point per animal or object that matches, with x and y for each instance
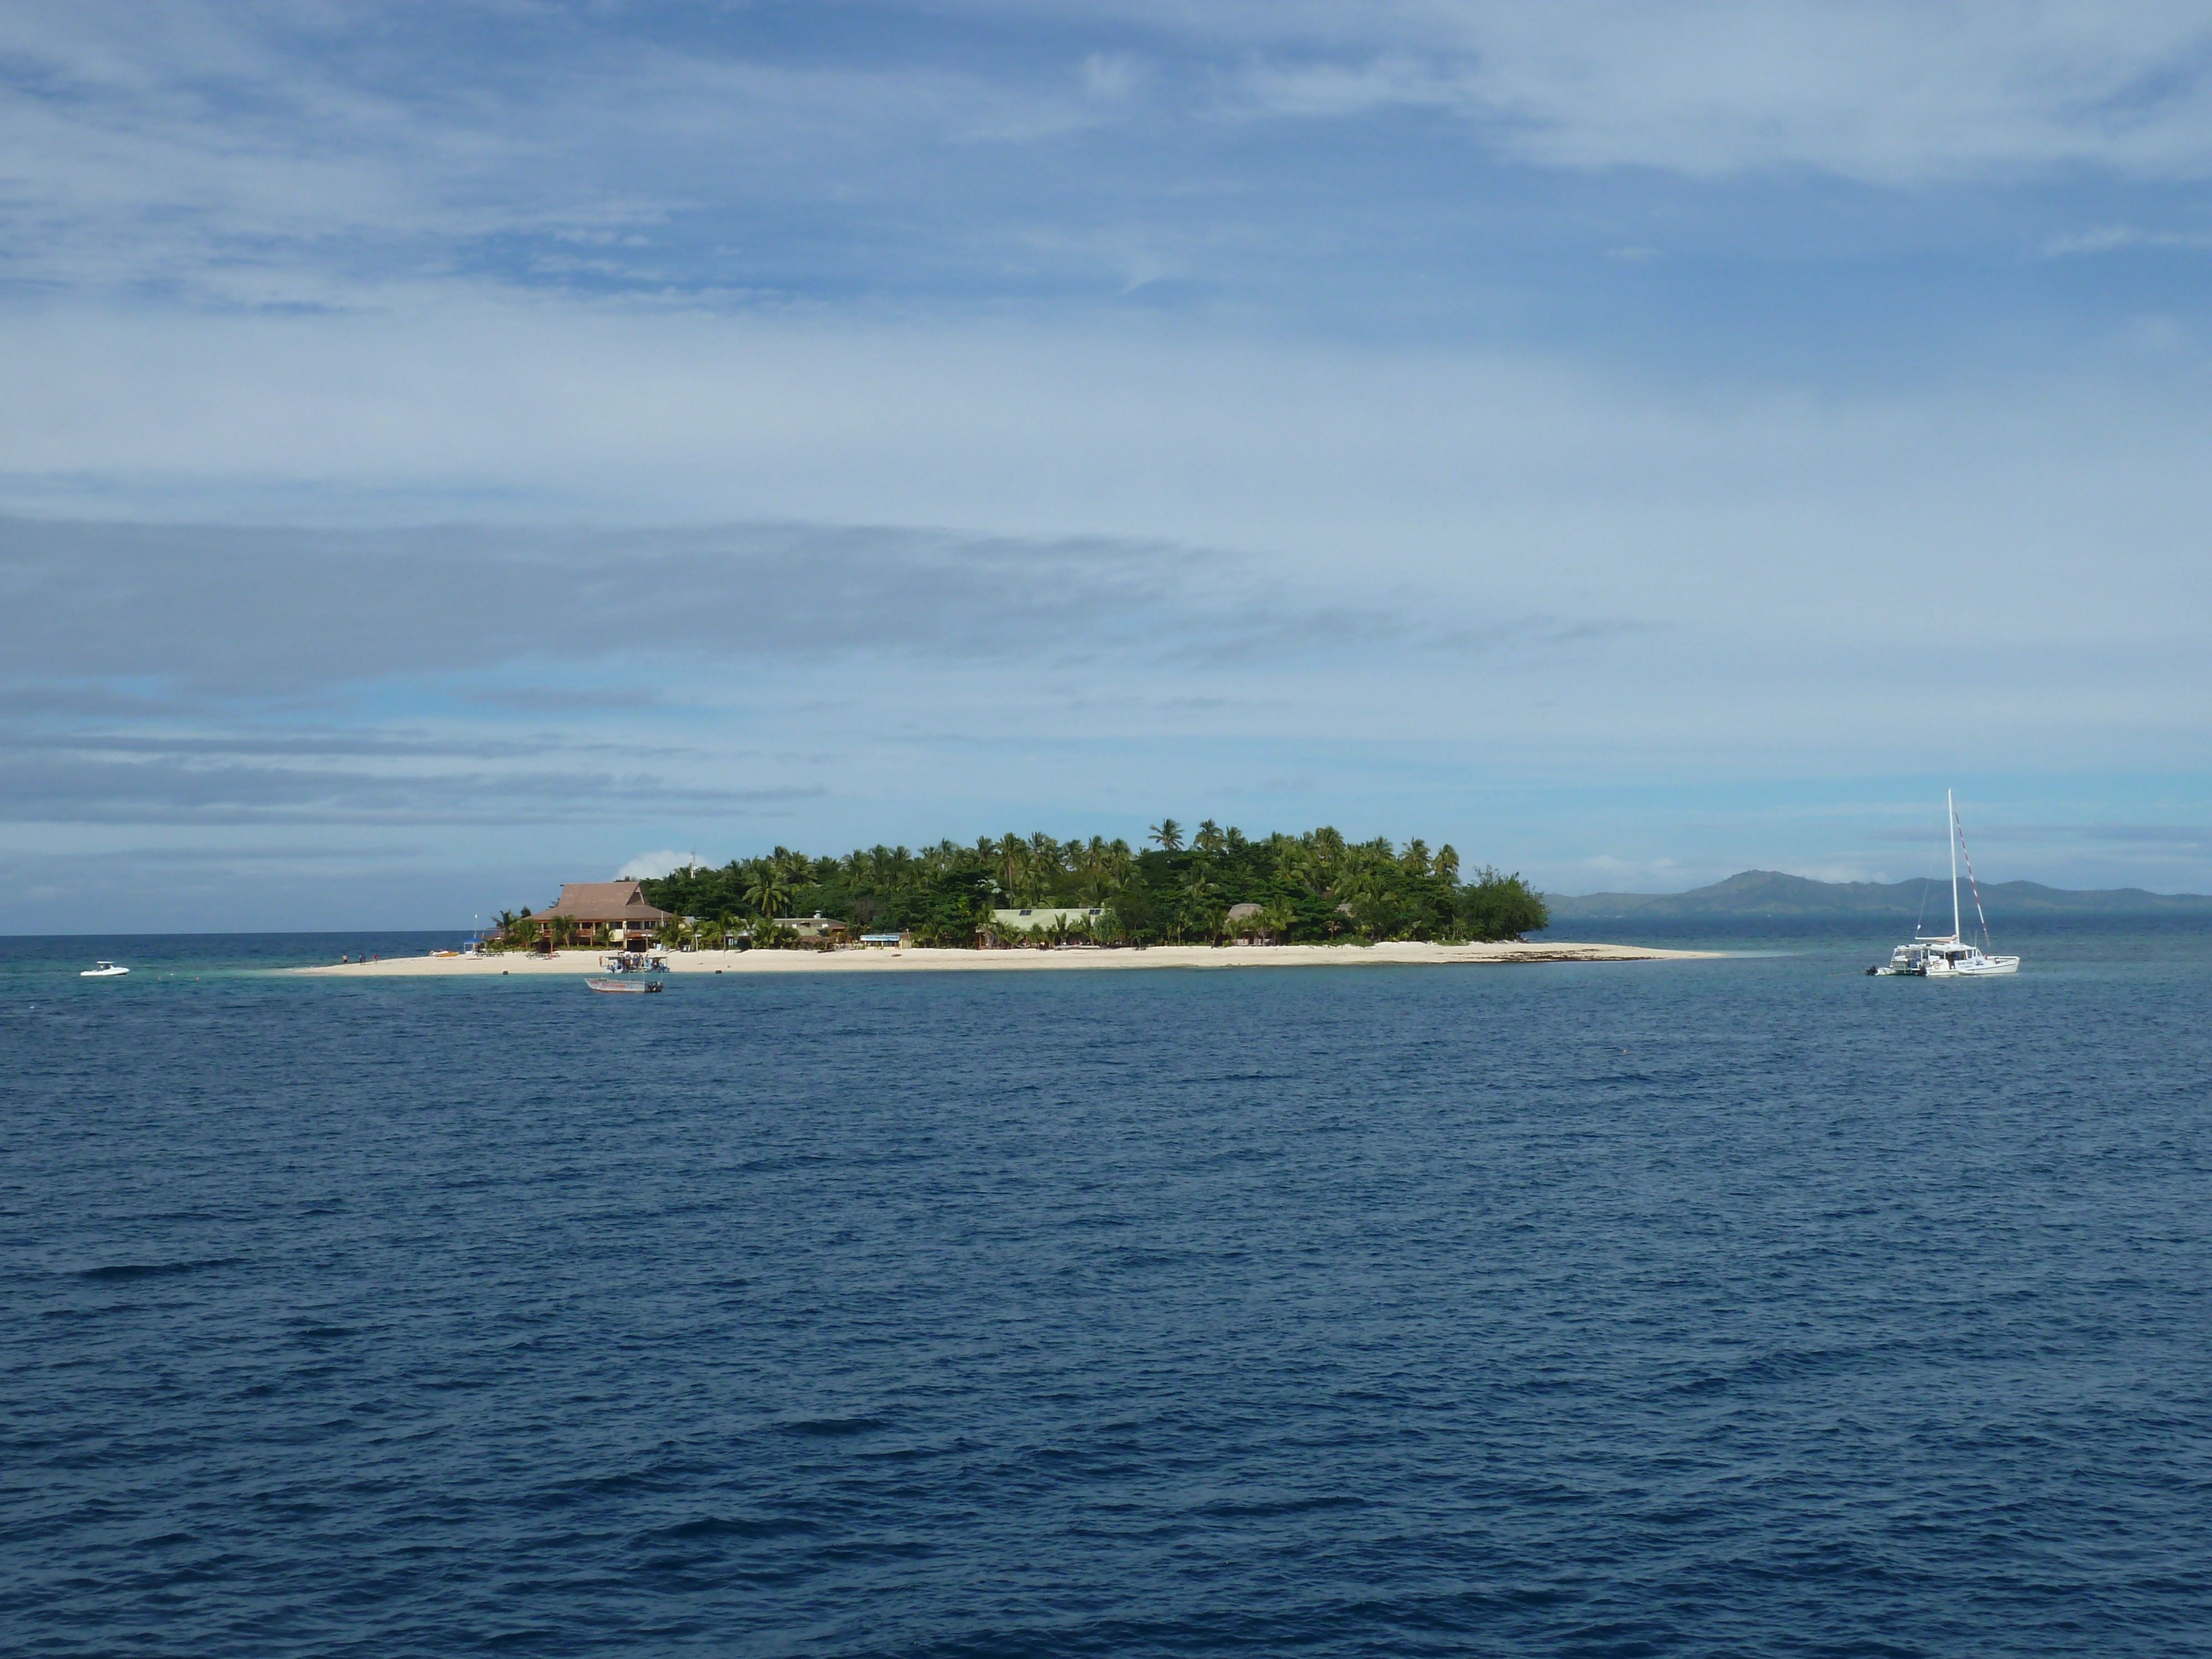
(1039, 866)
(1446, 862)
(1168, 833)
(1196, 904)
(768, 896)
(1096, 866)
(1209, 837)
(1362, 889)
(1010, 855)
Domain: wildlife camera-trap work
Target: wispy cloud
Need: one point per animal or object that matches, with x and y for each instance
(560, 700)
(84, 790)
(484, 676)
(261, 613)
(348, 158)
(2109, 239)
(345, 855)
(1886, 93)
(2188, 838)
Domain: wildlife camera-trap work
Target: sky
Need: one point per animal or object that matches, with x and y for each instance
(450, 449)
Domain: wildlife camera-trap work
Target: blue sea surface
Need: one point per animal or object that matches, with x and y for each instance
(1747, 1306)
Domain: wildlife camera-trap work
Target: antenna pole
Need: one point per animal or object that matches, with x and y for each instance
(1951, 807)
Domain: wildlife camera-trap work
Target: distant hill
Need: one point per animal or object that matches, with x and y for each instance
(1770, 893)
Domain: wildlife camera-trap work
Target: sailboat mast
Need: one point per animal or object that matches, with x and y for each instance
(1950, 808)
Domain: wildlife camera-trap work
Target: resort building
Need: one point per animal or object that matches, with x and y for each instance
(614, 912)
(817, 926)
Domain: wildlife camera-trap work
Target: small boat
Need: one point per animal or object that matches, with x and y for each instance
(1951, 955)
(634, 962)
(105, 970)
(631, 984)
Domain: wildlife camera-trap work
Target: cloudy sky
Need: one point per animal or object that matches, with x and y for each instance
(448, 448)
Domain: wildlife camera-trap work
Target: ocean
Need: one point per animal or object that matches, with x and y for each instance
(1747, 1306)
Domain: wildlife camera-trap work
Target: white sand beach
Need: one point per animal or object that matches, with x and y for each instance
(865, 960)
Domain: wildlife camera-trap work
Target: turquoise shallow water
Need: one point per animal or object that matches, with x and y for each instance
(1746, 1306)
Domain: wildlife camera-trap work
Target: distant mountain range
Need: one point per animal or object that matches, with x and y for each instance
(1770, 893)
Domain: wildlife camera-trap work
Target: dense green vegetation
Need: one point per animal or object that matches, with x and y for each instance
(1314, 888)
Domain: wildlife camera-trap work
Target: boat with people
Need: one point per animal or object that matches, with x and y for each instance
(632, 986)
(1951, 955)
(104, 970)
(634, 962)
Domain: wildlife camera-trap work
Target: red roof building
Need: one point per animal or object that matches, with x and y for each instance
(619, 907)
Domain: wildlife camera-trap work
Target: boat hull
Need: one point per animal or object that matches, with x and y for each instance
(1987, 967)
(632, 987)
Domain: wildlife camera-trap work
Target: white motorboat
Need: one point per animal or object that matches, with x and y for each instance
(623, 984)
(104, 970)
(1951, 955)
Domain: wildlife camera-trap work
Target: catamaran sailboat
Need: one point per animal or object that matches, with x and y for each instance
(1951, 956)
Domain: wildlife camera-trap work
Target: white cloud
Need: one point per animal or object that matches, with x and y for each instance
(1873, 89)
(1891, 92)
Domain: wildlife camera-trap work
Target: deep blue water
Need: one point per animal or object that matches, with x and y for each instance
(1738, 1307)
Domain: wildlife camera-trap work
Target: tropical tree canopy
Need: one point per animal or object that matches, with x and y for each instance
(1312, 888)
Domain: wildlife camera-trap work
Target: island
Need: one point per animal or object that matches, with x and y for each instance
(1214, 898)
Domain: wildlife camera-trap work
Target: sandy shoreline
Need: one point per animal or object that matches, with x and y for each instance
(917, 959)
